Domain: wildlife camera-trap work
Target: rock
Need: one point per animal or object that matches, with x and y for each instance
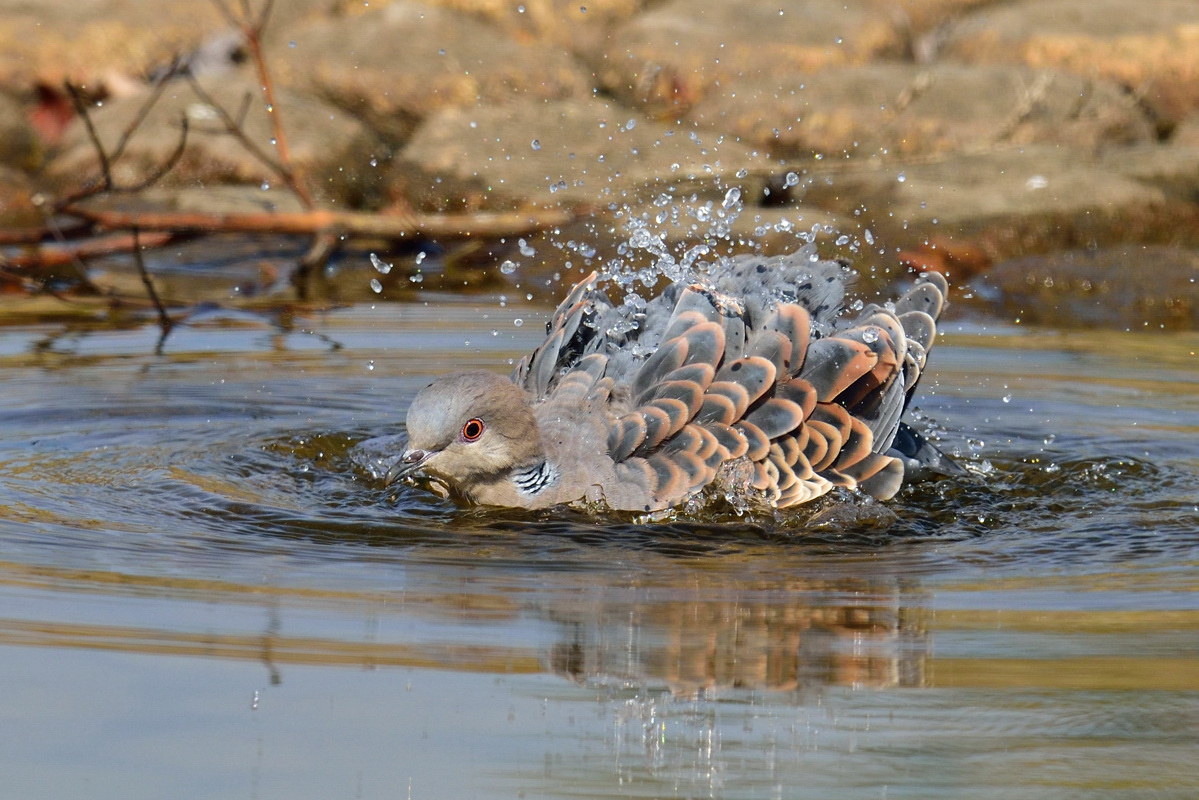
(107, 44)
(675, 55)
(567, 152)
(1187, 132)
(908, 110)
(201, 199)
(922, 16)
(1149, 46)
(1011, 202)
(579, 26)
(395, 66)
(1173, 168)
(19, 145)
(1098, 288)
(330, 148)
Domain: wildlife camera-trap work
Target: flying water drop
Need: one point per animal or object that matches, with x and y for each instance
(382, 266)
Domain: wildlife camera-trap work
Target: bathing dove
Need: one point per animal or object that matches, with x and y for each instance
(744, 380)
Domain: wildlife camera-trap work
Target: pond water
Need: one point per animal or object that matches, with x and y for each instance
(203, 596)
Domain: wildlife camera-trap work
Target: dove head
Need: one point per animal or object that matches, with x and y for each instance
(469, 428)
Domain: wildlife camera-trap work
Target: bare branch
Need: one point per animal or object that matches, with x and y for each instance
(166, 166)
(227, 13)
(38, 233)
(355, 224)
(74, 252)
(144, 111)
(235, 130)
(106, 182)
(272, 109)
(81, 109)
(263, 16)
(246, 100)
(252, 30)
(324, 245)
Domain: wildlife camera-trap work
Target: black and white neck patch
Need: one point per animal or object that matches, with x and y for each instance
(536, 478)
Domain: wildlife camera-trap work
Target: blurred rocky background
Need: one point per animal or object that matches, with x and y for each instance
(1045, 150)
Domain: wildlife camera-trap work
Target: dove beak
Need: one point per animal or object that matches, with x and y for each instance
(410, 462)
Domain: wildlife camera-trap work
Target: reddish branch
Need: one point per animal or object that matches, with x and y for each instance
(251, 30)
(449, 226)
(48, 256)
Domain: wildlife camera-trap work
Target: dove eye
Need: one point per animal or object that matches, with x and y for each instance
(472, 430)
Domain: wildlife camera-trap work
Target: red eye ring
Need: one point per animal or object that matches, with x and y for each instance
(472, 430)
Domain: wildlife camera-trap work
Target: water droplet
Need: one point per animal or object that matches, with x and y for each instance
(508, 267)
(742, 173)
(731, 198)
(525, 249)
(382, 266)
(901, 177)
(291, 44)
(374, 162)
(370, 366)
(376, 287)
(536, 144)
(518, 322)
(792, 179)
(868, 236)
(1007, 398)
(420, 257)
(265, 185)
(842, 240)
(628, 126)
